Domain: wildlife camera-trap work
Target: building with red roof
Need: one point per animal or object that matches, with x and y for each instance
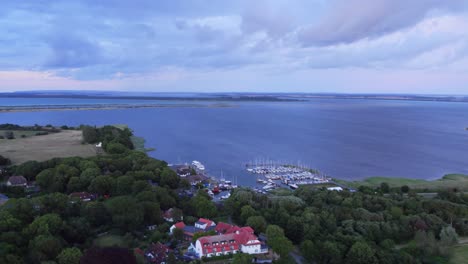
(157, 253)
(201, 226)
(242, 239)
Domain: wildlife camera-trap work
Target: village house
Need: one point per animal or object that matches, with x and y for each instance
(201, 226)
(19, 181)
(242, 239)
(182, 170)
(157, 253)
(82, 196)
(173, 214)
(197, 178)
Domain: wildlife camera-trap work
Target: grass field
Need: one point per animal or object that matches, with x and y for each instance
(66, 143)
(458, 181)
(19, 133)
(459, 254)
(110, 241)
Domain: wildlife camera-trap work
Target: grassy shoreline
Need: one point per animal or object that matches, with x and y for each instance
(449, 181)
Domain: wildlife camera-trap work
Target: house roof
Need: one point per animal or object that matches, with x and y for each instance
(205, 221)
(222, 227)
(227, 242)
(81, 195)
(247, 229)
(196, 178)
(17, 180)
(157, 252)
(168, 213)
(180, 225)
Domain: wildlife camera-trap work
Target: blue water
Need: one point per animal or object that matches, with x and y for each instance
(349, 139)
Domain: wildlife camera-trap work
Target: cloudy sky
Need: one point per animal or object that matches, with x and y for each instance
(381, 46)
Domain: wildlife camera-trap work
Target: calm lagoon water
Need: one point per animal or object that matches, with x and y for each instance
(349, 139)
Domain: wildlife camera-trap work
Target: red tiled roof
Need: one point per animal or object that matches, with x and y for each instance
(226, 241)
(180, 225)
(206, 221)
(247, 229)
(157, 253)
(222, 227)
(139, 251)
(233, 229)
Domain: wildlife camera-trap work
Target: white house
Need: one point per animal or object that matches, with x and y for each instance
(240, 241)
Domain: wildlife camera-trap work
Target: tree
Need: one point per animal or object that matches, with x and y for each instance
(258, 223)
(308, 250)
(4, 161)
(448, 238)
(9, 135)
(97, 213)
(330, 252)
(178, 234)
(169, 178)
(361, 253)
(126, 213)
(278, 242)
(48, 224)
(197, 235)
(140, 186)
(241, 258)
(171, 259)
(151, 213)
(44, 247)
(69, 256)
(116, 148)
(396, 212)
(8, 222)
(90, 134)
(246, 212)
(204, 207)
(88, 175)
(74, 185)
(102, 185)
(384, 187)
(295, 229)
(123, 185)
(405, 189)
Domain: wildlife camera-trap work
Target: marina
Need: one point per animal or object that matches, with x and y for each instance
(276, 174)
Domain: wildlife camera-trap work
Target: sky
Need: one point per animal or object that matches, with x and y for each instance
(344, 46)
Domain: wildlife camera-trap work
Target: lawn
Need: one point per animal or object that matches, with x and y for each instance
(110, 241)
(458, 181)
(67, 143)
(459, 254)
(20, 133)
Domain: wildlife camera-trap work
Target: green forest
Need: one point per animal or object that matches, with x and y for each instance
(371, 225)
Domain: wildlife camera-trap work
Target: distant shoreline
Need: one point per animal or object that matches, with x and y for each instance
(10, 109)
(233, 97)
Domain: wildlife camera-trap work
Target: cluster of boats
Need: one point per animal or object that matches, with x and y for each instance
(198, 165)
(274, 176)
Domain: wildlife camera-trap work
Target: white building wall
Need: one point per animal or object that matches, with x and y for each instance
(198, 248)
(251, 249)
